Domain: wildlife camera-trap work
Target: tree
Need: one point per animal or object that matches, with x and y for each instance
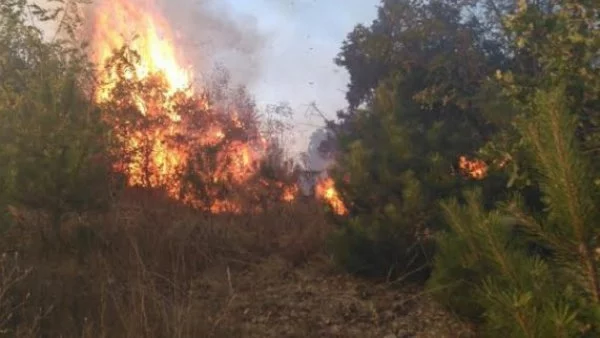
(409, 34)
(520, 292)
(534, 269)
(53, 141)
(416, 106)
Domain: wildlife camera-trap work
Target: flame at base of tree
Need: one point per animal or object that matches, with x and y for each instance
(325, 191)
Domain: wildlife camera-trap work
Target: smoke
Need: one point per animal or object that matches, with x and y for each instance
(210, 33)
(207, 34)
(314, 158)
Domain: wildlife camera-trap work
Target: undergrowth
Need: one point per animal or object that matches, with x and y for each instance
(140, 269)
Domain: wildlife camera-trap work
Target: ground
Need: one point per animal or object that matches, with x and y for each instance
(274, 299)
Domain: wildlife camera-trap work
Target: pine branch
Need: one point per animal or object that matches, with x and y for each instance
(551, 133)
(535, 228)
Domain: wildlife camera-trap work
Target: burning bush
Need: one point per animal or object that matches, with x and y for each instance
(203, 147)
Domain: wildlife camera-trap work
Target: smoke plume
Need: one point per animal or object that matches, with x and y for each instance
(207, 33)
(210, 33)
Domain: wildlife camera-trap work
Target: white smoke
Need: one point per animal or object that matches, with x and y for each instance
(206, 33)
(210, 34)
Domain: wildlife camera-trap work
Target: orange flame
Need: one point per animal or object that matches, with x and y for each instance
(289, 193)
(325, 190)
(118, 22)
(476, 169)
(154, 159)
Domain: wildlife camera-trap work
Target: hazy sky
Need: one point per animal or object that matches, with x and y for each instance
(303, 38)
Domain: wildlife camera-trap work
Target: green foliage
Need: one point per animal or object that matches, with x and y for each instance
(485, 273)
(417, 71)
(520, 292)
(53, 141)
(388, 247)
(519, 88)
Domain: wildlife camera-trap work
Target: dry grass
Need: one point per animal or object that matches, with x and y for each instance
(141, 269)
(153, 268)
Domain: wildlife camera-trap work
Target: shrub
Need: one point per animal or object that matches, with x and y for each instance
(482, 271)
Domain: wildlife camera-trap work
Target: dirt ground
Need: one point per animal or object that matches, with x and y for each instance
(273, 299)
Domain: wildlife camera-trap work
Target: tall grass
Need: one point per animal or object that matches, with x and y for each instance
(149, 267)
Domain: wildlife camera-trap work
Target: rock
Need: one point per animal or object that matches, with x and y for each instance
(390, 336)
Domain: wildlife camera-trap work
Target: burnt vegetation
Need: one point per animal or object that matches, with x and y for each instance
(462, 199)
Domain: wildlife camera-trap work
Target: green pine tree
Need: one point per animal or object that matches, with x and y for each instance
(519, 292)
(530, 268)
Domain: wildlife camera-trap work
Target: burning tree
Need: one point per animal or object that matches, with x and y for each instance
(203, 147)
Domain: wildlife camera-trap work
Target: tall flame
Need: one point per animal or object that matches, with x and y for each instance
(325, 190)
(153, 158)
(118, 22)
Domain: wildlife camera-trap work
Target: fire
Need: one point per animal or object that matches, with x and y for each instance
(154, 161)
(168, 130)
(174, 122)
(289, 193)
(116, 23)
(325, 190)
(476, 169)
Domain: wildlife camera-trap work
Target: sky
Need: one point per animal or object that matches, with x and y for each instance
(296, 61)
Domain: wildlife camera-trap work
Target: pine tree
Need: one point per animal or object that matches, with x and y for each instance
(519, 292)
(534, 270)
